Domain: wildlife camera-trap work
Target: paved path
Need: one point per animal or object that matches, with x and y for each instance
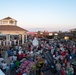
(5, 56)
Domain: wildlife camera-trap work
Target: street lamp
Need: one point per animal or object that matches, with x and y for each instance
(35, 44)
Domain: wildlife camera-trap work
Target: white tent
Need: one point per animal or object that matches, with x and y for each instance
(1, 73)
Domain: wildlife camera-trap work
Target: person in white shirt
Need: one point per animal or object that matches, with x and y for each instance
(4, 65)
(14, 58)
(24, 74)
(14, 52)
(1, 59)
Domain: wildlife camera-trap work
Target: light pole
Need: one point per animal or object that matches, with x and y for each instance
(35, 44)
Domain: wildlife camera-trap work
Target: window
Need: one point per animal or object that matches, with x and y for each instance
(5, 22)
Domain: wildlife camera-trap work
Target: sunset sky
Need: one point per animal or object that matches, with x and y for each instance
(35, 15)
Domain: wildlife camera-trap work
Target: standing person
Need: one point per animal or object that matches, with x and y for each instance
(14, 58)
(18, 73)
(42, 73)
(71, 70)
(8, 69)
(63, 71)
(4, 65)
(12, 65)
(17, 64)
(24, 74)
(58, 68)
(9, 52)
(1, 59)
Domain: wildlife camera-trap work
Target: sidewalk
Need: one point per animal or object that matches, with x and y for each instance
(5, 56)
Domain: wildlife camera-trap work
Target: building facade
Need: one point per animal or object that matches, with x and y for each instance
(10, 33)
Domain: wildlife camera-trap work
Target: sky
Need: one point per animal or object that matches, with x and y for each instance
(40, 15)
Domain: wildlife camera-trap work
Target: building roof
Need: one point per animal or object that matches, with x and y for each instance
(11, 28)
(7, 18)
(31, 33)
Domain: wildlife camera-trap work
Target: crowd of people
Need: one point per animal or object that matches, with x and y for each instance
(63, 52)
(26, 62)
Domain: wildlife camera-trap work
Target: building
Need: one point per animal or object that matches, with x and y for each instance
(71, 30)
(10, 33)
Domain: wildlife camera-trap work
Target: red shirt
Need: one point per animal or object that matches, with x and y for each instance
(62, 72)
(21, 56)
(18, 74)
(63, 53)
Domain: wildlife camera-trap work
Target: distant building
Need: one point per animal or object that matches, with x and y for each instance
(71, 30)
(45, 34)
(11, 33)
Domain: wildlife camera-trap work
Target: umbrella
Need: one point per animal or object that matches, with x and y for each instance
(26, 65)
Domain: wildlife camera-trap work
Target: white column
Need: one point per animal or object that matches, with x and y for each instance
(4, 43)
(7, 39)
(22, 39)
(14, 42)
(0, 42)
(26, 37)
(18, 41)
(10, 42)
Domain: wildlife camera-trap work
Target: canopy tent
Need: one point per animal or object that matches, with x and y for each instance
(1, 72)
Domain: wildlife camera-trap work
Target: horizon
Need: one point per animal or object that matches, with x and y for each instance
(40, 15)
